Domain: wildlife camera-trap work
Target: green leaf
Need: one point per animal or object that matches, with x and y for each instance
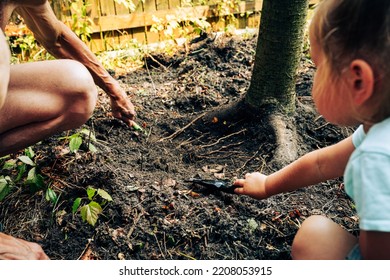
(252, 225)
(21, 169)
(91, 192)
(76, 205)
(26, 160)
(103, 194)
(75, 143)
(137, 127)
(10, 164)
(31, 175)
(29, 152)
(88, 133)
(92, 148)
(90, 212)
(51, 195)
(34, 180)
(4, 188)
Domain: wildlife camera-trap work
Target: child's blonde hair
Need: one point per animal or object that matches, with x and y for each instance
(357, 29)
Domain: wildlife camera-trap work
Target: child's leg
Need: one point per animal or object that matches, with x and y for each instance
(320, 238)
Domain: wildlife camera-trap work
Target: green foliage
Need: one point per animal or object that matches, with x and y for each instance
(20, 171)
(129, 4)
(51, 196)
(77, 139)
(226, 10)
(24, 47)
(5, 186)
(181, 24)
(92, 208)
(81, 23)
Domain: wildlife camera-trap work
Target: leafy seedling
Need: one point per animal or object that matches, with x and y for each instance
(90, 211)
(137, 127)
(77, 139)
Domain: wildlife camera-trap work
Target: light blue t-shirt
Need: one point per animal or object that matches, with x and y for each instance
(367, 176)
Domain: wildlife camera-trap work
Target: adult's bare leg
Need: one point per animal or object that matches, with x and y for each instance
(320, 238)
(44, 98)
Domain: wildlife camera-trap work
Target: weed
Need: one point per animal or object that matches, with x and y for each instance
(14, 173)
(92, 208)
(81, 22)
(77, 139)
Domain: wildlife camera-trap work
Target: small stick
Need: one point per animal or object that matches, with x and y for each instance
(223, 138)
(176, 133)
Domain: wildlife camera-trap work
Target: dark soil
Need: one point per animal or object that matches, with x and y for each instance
(155, 213)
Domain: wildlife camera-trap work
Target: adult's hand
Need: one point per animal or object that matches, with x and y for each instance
(123, 109)
(12, 248)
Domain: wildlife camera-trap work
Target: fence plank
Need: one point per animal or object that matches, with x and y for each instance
(108, 17)
(134, 20)
(121, 9)
(107, 7)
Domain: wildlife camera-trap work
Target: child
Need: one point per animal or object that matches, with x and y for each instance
(350, 45)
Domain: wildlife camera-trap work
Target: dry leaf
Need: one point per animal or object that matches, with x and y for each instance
(169, 183)
(219, 175)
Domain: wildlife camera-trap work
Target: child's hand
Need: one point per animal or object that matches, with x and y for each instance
(253, 185)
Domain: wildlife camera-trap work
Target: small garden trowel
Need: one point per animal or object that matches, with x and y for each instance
(214, 185)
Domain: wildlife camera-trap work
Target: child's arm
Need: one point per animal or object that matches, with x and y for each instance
(312, 168)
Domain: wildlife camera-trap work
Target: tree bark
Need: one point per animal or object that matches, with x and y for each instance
(278, 52)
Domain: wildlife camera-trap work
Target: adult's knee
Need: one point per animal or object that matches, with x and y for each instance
(82, 95)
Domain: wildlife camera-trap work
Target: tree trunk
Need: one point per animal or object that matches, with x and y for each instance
(278, 52)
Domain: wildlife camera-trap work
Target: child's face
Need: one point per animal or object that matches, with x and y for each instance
(329, 94)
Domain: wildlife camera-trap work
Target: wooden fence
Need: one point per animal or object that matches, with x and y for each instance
(114, 25)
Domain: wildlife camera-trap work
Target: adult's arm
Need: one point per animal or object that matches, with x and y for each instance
(62, 42)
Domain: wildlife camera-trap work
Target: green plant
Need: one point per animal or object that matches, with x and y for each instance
(129, 4)
(16, 170)
(81, 22)
(226, 10)
(24, 47)
(129, 54)
(90, 211)
(180, 24)
(6, 184)
(77, 139)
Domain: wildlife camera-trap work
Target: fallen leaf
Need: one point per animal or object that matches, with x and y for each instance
(121, 256)
(169, 182)
(215, 169)
(195, 194)
(131, 188)
(219, 175)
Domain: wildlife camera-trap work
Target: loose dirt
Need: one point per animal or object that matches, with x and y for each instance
(155, 214)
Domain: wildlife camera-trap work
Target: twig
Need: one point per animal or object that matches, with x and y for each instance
(251, 158)
(151, 79)
(134, 224)
(155, 60)
(85, 249)
(159, 247)
(321, 126)
(223, 138)
(223, 148)
(176, 133)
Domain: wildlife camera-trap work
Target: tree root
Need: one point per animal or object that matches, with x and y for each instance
(283, 127)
